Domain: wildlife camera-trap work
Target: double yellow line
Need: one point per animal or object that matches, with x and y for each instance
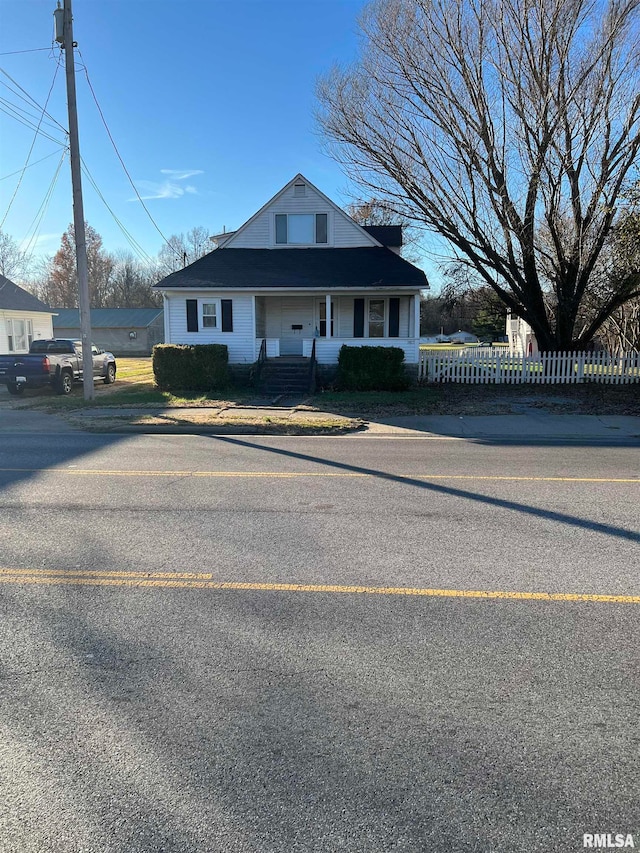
(204, 580)
(290, 475)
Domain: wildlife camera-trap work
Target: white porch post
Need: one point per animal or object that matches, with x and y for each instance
(328, 315)
(255, 341)
(165, 318)
(416, 315)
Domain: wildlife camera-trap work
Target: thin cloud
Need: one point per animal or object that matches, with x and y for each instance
(170, 187)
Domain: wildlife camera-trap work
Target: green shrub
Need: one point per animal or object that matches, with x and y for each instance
(371, 369)
(187, 369)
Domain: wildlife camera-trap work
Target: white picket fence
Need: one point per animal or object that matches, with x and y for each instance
(544, 368)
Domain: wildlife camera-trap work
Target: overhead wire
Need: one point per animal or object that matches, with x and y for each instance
(115, 148)
(33, 142)
(33, 50)
(31, 165)
(137, 248)
(24, 113)
(27, 97)
(37, 219)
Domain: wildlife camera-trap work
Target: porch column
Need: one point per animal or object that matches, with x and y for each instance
(416, 315)
(328, 315)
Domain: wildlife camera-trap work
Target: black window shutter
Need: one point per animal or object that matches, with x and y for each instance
(192, 315)
(394, 317)
(227, 315)
(358, 318)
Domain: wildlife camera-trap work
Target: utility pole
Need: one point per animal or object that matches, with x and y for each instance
(64, 37)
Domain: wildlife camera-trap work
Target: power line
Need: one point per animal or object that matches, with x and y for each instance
(33, 142)
(37, 219)
(28, 97)
(21, 121)
(137, 248)
(23, 116)
(33, 50)
(30, 166)
(115, 148)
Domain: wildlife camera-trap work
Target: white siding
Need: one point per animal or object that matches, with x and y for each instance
(42, 325)
(345, 316)
(259, 233)
(240, 342)
(327, 349)
(285, 311)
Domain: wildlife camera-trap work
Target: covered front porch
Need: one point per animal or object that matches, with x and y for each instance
(289, 324)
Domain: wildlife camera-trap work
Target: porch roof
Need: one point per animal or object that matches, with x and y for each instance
(297, 269)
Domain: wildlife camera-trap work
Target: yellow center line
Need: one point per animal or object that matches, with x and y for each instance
(99, 472)
(195, 580)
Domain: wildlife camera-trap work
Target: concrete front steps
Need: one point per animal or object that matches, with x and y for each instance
(285, 375)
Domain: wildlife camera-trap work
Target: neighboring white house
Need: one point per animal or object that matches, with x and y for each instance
(299, 270)
(23, 318)
(522, 340)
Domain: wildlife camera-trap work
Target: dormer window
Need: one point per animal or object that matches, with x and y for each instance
(301, 229)
(299, 189)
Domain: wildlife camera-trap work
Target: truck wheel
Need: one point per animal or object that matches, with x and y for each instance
(12, 388)
(110, 376)
(65, 383)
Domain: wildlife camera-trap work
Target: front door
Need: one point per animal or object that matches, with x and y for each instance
(295, 323)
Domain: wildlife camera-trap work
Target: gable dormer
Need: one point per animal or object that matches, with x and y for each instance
(299, 217)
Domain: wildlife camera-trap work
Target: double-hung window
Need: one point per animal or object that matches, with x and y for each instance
(209, 315)
(19, 334)
(301, 229)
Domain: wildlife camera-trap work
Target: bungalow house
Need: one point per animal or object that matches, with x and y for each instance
(23, 318)
(299, 271)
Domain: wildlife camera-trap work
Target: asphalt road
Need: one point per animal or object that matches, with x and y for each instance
(195, 654)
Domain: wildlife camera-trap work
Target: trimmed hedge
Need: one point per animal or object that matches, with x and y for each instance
(185, 369)
(371, 369)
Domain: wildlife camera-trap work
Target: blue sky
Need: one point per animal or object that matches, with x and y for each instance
(210, 103)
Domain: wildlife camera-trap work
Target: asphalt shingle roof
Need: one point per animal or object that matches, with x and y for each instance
(107, 318)
(298, 269)
(388, 235)
(15, 298)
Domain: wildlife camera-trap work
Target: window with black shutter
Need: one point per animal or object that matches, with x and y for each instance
(394, 317)
(358, 318)
(192, 315)
(227, 315)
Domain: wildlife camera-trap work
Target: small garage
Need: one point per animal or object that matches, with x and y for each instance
(122, 331)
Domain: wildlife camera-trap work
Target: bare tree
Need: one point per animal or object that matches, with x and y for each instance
(373, 211)
(508, 127)
(131, 282)
(13, 261)
(182, 249)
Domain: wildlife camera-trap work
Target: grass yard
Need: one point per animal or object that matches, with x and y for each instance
(135, 387)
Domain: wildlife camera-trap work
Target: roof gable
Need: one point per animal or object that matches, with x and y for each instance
(257, 232)
(15, 298)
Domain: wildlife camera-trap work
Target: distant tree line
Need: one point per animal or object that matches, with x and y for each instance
(116, 279)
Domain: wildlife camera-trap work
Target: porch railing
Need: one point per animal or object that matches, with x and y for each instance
(257, 368)
(312, 369)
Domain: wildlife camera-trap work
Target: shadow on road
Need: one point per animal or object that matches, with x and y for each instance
(436, 488)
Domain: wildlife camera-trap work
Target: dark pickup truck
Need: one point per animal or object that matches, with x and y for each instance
(53, 362)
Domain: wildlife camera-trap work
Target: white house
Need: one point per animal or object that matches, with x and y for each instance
(522, 340)
(299, 271)
(23, 318)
